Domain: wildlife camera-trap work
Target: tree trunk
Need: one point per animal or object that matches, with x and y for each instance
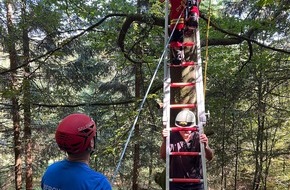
(26, 102)
(259, 155)
(136, 164)
(14, 99)
(223, 175)
(236, 130)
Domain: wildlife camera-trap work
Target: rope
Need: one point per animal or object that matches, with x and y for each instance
(206, 49)
(142, 104)
(137, 117)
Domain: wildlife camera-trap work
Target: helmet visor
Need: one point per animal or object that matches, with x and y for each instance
(184, 123)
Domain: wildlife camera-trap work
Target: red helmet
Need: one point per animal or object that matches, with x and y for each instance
(75, 133)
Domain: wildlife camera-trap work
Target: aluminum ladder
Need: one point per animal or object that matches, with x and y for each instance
(191, 81)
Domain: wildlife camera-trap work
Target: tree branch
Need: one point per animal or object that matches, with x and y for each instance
(241, 38)
(85, 104)
(66, 42)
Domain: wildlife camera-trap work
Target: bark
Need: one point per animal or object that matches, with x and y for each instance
(138, 71)
(14, 99)
(136, 164)
(261, 139)
(26, 102)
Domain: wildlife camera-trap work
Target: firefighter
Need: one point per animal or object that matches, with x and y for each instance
(185, 141)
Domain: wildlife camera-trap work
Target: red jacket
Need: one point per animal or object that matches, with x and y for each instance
(177, 9)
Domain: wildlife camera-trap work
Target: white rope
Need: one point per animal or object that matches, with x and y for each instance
(137, 117)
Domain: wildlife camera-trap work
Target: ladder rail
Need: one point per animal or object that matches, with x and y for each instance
(201, 119)
(166, 89)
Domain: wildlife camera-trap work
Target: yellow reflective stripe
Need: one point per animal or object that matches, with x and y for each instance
(173, 21)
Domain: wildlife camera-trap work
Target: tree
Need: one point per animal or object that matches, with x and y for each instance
(81, 58)
(26, 99)
(14, 87)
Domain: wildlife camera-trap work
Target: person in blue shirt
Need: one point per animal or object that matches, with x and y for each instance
(75, 135)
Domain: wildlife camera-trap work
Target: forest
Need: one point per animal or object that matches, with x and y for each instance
(98, 57)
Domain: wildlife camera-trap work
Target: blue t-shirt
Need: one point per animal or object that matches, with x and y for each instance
(67, 175)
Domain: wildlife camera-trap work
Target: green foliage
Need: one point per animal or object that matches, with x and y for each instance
(247, 88)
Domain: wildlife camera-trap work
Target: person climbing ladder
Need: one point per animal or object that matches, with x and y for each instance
(186, 167)
(183, 17)
(176, 28)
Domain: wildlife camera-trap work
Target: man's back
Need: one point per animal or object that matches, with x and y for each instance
(68, 175)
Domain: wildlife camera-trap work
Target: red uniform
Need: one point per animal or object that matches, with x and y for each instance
(178, 24)
(177, 9)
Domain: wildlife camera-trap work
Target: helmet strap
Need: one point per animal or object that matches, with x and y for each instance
(92, 147)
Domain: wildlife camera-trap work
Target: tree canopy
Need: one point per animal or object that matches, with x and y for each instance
(98, 57)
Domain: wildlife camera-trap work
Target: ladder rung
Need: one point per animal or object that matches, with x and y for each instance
(175, 129)
(185, 180)
(189, 63)
(185, 153)
(182, 84)
(181, 44)
(176, 106)
(184, 64)
(188, 44)
(175, 44)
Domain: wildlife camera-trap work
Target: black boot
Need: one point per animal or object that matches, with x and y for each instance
(192, 20)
